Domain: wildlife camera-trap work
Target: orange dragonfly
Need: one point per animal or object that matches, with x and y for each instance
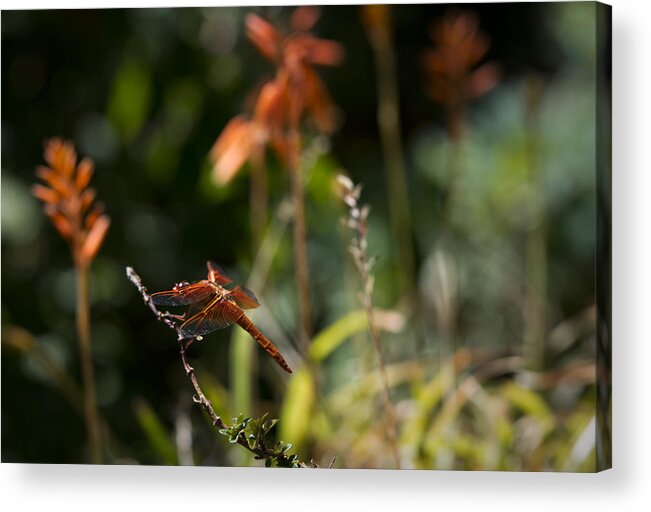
(218, 306)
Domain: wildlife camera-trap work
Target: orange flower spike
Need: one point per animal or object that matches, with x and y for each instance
(283, 101)
(67, 198)
(294, 54)
(459, 48)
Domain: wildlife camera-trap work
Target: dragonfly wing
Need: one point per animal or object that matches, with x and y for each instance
(216, 315)
(244, 297)
(217, 274)
(184, 295)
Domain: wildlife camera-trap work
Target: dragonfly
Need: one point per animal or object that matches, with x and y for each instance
(213, 306)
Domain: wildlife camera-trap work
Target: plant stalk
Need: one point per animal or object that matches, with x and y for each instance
(83, 334)
(300, 244)
(258, 199)
(392, 430)
(388, 116)
(535, 314)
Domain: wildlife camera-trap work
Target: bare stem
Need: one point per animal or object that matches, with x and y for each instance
(242, 352)
(199, 397)
(300, 244)
(258, 200)
(454, 177)
(535, 314)
(356, 221)
(388, 116)
(386, 394)
(83, 334)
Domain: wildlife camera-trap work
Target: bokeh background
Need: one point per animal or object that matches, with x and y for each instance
(492, 367)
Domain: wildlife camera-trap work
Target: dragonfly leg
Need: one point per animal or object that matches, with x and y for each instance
(167, 314)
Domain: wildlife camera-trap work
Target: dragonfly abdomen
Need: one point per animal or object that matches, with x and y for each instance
(245, 323)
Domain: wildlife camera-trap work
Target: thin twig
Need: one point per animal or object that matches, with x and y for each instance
(356, 221)
(199, 397)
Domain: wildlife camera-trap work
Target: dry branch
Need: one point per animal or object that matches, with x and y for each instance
(261, 451)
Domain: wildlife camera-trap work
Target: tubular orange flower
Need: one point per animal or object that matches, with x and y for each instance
(68, 200)
(263, 35)
(70, 204)
(271, 109)
(232, 149)
(294, 94)
(304, 18)
(455, 76)
(295, 91)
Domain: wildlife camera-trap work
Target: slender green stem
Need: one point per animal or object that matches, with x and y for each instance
(535, 315)
(392, 428)
(258, 200)
(243, 354)
(357, 221)
(455, 165)
(300, 245)
(388, 116)
(83, 334)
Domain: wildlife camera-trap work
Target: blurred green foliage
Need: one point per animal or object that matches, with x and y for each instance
(145, 92)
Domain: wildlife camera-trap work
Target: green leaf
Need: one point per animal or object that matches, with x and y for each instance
(216, 393)
(129, 102)
(352, 323)
(296, 413)
(527, 400)
(320, 185)
(155, 432)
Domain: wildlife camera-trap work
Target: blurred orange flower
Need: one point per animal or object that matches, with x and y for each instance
(454, 74)
(295, 91)
(69, 202)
